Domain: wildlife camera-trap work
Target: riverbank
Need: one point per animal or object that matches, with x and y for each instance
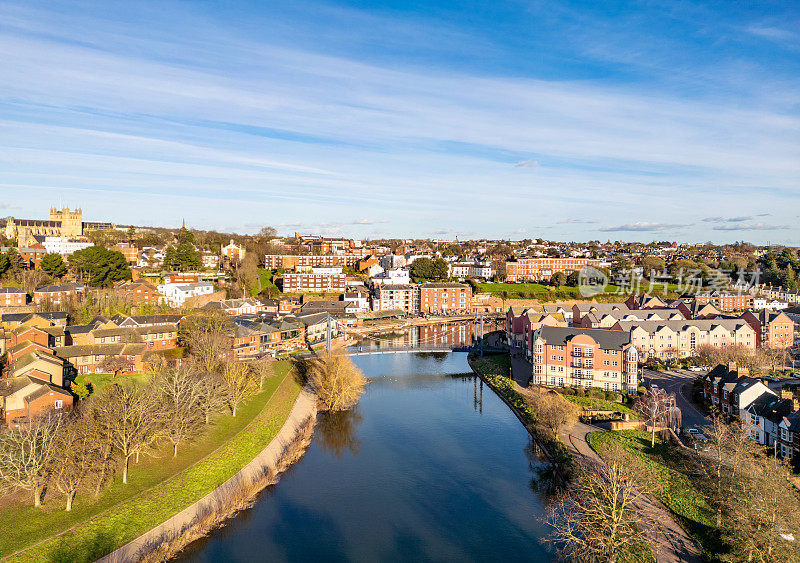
(509, 392)
(167, 539)
(158, 488)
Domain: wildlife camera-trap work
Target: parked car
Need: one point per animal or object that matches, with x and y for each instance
(695, 368)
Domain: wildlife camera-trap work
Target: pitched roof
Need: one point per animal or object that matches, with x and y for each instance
(15, 290)
(606, 339)
(681, 325)
(44, 389)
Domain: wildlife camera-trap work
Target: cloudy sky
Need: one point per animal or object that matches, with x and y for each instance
(565, 120)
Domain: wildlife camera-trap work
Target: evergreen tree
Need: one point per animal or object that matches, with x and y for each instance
(54, 265)
(99, 267)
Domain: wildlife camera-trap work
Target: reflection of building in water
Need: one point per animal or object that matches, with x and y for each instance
(450, 334)
(443, 334)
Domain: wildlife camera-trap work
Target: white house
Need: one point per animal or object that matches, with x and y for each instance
(395, 276)
(760, 303)
(64, 245)
(360, 300)
(176, 294)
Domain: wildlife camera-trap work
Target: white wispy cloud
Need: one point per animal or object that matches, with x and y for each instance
(727, 219)
(750, 227)
(643, 226)
(576, 221)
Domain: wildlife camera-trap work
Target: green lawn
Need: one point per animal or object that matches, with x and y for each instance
(550, 293)
(535, 291)
(101, 380)
(266, 283)
(159, 486)
(674, 472)
(602, 405)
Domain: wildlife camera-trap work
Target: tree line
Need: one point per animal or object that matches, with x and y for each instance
(83, 449)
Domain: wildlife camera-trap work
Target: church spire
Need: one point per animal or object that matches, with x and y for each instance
(183, 224)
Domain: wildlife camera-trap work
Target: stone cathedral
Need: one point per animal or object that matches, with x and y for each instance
(63, 223)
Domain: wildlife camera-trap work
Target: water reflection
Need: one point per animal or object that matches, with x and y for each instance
(336, 432)
(429, 467)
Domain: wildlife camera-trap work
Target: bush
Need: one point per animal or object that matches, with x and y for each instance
(641, 390)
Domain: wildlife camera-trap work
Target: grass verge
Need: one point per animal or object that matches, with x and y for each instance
(677, 490)
(158, 487)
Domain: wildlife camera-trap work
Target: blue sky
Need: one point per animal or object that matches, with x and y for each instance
(565, 120)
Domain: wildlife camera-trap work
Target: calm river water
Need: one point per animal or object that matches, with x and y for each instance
(423, 470)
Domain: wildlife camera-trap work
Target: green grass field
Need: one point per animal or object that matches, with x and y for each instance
(550, 293)
(673, 470)
(159, 486)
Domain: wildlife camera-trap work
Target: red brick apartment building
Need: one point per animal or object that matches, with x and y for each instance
(290, 261)
(576, 357)
(313, 283)
(444, 297)
(726, 301)
(537, 269)
(12, 297)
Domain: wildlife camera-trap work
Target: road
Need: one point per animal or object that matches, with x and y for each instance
(679, 381)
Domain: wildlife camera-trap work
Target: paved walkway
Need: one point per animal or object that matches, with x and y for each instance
(670, 542)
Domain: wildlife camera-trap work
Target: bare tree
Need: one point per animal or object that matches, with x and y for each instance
(213, 395)
(181, 390)
(116, 365)
(552, 411)
(598, 518)
(263, 368)
(26, 453)
(762, 512)
(208, 336)
(655, 407)
(240, 385)
(729, 449)
(79, 455)
(132, 417)
(336, 380)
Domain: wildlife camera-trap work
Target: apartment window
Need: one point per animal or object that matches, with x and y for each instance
(59, 404)
(784, 434)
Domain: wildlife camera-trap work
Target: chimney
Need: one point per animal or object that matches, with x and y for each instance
(795, 405)
(786, 394)
(731, 366)
(744, 372)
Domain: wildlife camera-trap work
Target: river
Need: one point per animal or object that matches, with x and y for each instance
(429, 466)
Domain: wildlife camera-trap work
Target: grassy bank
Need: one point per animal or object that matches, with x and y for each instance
(159, 486)
(544, 292)
(672, 470)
